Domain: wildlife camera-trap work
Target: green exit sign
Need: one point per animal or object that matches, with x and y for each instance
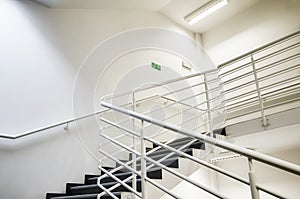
(156, 66)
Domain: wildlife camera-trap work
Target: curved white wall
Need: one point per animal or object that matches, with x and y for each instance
(41, 50)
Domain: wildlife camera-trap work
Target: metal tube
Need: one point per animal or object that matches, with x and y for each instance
(252, 180)
(284, 60)
(261, 104)
(26, 133)
(143, 162)
(133, 145)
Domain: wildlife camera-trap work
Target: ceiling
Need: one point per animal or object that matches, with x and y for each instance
(175, 10)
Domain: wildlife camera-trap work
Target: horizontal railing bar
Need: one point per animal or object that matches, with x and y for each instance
(281, 103)
(240, 67)
(242, 114)
(264, 95)
(241, 76)
(50, 126)
(279, 72)
(252, 82)
(258, 70)
(280, 83)
(241, 96)
(246, 74)
(210, 166)
(264, 47)
(276, 53)
(257, 108)
(276, 63)
(284, 93)
(286, 166)
(232, 89)
(242, 103)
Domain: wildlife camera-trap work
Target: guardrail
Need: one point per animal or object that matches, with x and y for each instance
(143, 157)
(252, 83)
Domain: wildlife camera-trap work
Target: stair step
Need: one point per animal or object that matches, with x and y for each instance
(153, 174)
(196, 145)
(85, 196)
(162, 155)
(171, 162)
(94, 188)
(221, 131)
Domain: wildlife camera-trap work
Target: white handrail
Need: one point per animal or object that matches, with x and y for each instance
(26, 133)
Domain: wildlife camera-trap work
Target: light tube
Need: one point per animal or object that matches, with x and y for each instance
(205, 10)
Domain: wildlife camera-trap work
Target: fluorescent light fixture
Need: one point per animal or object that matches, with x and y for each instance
(205, 10)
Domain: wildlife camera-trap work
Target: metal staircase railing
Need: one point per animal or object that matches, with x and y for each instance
(249, 154)
(195, 106)
(264, 78)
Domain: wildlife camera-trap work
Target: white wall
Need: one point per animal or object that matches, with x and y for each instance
(262, 23)
(41, 51)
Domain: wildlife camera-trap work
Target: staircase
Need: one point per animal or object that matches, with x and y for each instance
(89, 189)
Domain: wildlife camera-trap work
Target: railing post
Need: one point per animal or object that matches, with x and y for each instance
(261, 105)
(252, 181)
(209, 129)
(133, 146)
(143, 163)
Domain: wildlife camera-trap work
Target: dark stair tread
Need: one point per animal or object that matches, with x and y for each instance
(51, 195)
(121, 176)
(94, 188)
(86, 196)
(221, 131)
(195, 145)
(152, 173)
(158, 156)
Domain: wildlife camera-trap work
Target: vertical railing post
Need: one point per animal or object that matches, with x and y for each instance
(252, 181)
(133, 146)
(261, 105)
(143, 163)
(209, 129)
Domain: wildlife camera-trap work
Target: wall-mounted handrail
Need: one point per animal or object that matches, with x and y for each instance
(65, 122)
